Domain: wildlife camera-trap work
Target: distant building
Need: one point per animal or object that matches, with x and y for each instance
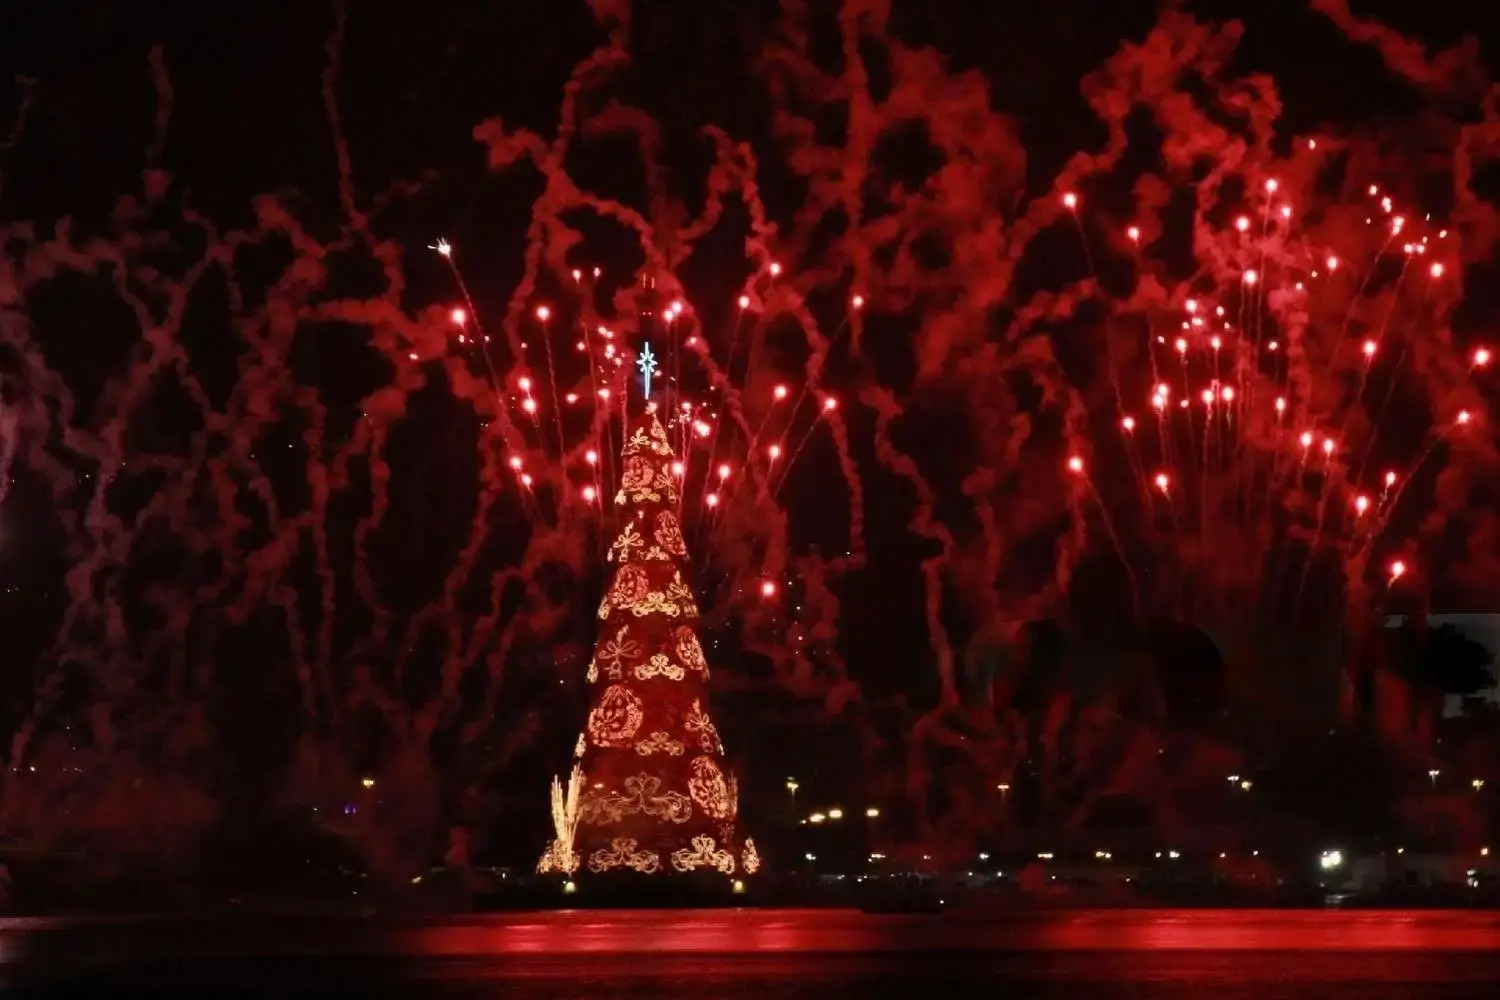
(1408, 871)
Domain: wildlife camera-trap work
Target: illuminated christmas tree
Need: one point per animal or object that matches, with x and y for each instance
(650, 791)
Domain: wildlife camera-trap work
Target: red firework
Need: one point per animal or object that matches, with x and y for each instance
(1287, 408)
(268, 507)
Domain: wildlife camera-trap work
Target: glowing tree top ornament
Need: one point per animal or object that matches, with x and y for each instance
(647, 364)
(656, 794)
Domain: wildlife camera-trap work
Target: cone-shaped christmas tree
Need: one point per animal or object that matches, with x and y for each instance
(650, 792)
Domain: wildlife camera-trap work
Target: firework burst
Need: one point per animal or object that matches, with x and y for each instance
(1284, 412)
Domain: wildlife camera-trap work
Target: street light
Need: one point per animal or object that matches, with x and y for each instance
(1478, 783)
(835, 813)
(872, 813)
(1433, 774)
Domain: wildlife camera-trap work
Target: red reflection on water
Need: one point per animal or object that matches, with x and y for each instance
(765, 930)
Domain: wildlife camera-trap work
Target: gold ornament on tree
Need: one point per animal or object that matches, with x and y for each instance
(565, 809)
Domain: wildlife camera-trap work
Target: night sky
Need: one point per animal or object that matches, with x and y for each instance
(260, 533)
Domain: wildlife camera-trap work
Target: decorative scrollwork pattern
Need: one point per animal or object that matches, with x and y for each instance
(659, 666)
(623, 853)
(704, 853)
(617, 717)
(642, 796)
(750, 858)
(659, 742)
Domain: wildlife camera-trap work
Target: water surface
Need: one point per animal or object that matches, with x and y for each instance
(772, 955)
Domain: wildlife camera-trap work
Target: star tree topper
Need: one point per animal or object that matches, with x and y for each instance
(647, 364)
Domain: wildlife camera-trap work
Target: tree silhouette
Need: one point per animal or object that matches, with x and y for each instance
(1441, 659)
(1189, 671)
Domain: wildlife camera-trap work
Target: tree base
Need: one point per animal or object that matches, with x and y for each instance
(633, 891)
